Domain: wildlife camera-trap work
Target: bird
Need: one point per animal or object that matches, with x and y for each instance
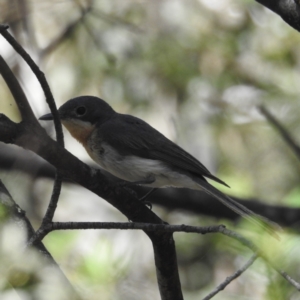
(132, 150)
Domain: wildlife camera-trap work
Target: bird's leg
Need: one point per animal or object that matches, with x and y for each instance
(141, 182)
(147, 194)
(148, 203)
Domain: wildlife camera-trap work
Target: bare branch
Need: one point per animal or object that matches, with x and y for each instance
(135, 226)
(70, 28)
(289, 10)
(229, 279)
(283, 132)
(115, 20)
(149, 227)
(176, 228)
(254, 248)
(289, 279)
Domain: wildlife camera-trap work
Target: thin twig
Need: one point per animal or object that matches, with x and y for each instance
(67, 31)
(18, 216)
(289, 279)
(115, 20)
(254, 248)
(136, 226)
(172, 228)
(54, 199)
(238, 237)
(283, 132)
(229, 279)
(47, 220)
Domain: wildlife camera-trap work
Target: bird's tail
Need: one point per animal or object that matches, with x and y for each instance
(271, 227)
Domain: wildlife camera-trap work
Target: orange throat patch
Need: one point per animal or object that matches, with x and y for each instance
(80, 130)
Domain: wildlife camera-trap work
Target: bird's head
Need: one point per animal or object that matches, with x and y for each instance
(81, 114)
(83, 109)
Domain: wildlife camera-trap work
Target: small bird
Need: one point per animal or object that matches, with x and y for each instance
(132, 150)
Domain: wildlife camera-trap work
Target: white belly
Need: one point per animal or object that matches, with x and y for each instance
(132, 168)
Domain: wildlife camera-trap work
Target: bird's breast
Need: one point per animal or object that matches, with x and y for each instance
(102, 153)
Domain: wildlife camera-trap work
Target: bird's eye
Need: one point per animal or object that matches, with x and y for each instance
(80, 111)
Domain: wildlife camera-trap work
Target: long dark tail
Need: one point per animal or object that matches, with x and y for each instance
(240, 209)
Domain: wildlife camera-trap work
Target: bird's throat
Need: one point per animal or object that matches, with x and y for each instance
(80, 130)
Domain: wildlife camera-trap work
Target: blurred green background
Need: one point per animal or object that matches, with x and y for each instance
(196, 70)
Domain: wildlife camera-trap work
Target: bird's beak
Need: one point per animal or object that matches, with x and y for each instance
(46, 117)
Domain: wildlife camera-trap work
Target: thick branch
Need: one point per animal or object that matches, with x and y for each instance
(289, 10)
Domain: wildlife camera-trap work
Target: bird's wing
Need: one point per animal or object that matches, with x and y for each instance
(133, 136)
(180, 158)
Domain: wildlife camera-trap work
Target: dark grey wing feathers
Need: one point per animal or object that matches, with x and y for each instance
(147, 142)
(182, 159)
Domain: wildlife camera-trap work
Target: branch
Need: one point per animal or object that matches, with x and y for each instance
(54, 199)
(171, 229)
(229, 279)
(148, 227)
(115, 20)
(283, 132)
(289, 279)
(254, 248)
(289, 10)
(68, 30)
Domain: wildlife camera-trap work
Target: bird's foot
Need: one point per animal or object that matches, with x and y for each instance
(148, 204)
(126, 184)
